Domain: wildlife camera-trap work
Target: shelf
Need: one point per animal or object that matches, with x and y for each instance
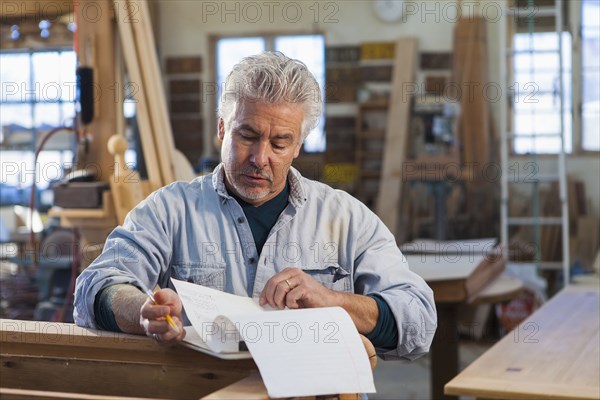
(372, 134)
(535, 221)
(374, 105)
(369, 174)
(106, 212)
(378, 155)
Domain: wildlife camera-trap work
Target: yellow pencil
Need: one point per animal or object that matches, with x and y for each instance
(168, 316)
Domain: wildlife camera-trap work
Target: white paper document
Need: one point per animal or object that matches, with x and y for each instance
(305, 352)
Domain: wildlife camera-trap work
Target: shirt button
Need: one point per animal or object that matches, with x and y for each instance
(240, 220)
(252, 260)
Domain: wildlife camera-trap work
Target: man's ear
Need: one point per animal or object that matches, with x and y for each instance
(297, 150)
(221, 129)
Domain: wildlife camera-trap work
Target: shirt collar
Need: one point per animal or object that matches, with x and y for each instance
(297, 193)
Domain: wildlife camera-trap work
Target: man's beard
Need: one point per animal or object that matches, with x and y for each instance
(250, 192)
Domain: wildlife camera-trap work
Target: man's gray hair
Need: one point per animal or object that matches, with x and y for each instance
(272, 77)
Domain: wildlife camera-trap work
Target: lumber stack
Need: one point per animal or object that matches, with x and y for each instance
(470, 77)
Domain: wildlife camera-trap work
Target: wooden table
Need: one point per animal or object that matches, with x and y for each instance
(554, 354)
(47, 360)
(455, 278)
(41, 357)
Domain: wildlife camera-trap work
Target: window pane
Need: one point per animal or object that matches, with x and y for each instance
(16, 114)
(129, 108)
(68, 114)
(591, 130)
(591, 87)
(590, 13)
(590, 48)
(310, 49)
(537, 106)
(49, 167)
(231, 51)
(68, 65)
(46, 75)
(14, 76)
(16, 167)
(537, 145)
(529, 84)
(537, 102)
(46, 116)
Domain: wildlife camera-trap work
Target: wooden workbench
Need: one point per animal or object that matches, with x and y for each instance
(41, 357)
(554, 354)
(456, 278)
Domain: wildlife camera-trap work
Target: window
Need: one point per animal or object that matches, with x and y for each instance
(38, 94)
(310, 49)
(536, 105)
(590, 48)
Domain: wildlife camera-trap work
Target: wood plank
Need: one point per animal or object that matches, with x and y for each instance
(388, 199)
(64, 357)
(155, 176)
(126, 184)
(501, 289)
(485, 273)
(180, 166)
(249, 388)
(15, 12)
(470, 73)
(155, 95)
(126, 379)
(27, 394)
(553, 354)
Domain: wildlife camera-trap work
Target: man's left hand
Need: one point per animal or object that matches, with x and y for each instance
(294, 288)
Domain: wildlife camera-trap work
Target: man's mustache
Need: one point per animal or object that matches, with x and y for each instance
(264, 174)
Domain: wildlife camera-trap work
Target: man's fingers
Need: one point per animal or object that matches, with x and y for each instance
(281, 291)
(168, 297)
(157, 326)
(151, 311)
(165, 332)
(293, 297)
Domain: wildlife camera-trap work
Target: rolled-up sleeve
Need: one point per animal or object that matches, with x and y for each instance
(381, 268)
(135, 253)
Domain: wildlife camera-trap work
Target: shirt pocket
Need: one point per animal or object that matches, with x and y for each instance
(211, 275)
(330, 275)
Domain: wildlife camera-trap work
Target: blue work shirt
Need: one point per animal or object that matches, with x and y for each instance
(195, 231)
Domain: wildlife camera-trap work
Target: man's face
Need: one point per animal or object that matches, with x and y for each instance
(258, 148)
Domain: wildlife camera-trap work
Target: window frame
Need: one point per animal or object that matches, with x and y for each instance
(36, 133)
(269, 39)
(575, 27)
(32, 101)
(578, 59)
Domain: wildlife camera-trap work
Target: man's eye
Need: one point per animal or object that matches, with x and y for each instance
(278, 146)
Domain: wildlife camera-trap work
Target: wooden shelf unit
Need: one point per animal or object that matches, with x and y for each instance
(370, 141)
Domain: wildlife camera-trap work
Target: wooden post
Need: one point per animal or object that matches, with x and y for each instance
(96, 28)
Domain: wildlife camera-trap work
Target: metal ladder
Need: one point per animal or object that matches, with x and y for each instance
(507, 134)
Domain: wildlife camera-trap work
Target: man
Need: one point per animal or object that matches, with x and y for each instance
(255, 227)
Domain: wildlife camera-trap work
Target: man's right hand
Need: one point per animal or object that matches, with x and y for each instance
(152, 317)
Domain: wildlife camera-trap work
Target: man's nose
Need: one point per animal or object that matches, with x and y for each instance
(260, 154)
